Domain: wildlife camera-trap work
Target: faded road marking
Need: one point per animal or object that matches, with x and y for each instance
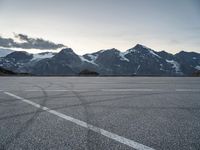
(108, 134)
(56, 90)
(127, 90)
(187, 90)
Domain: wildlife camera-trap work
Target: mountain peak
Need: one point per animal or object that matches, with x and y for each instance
(24, 53)
(114, 50)
(19, 55)
(5, 52)
(66, 51)
(140, 47)
(68, 55)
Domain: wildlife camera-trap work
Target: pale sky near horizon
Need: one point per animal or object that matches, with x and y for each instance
(91, 25)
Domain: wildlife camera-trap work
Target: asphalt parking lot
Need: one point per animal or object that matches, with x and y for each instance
(99, 113)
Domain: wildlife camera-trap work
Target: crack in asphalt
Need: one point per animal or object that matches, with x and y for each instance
(25, 125)
(88, 113)
(113, 99)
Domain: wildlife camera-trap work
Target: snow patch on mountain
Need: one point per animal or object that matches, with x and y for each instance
(154, 54)
(122, 56)
(93, 58)
(175, 64)
(138, 67)
(132, 50)
(197, 67)
(150, 51)
(41, 56)
(161, 67)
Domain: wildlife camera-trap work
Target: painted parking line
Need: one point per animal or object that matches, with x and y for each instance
(151, 90)
(103, 132)
(57, 90)
(187, 90)
(129, 90)
(119, 90)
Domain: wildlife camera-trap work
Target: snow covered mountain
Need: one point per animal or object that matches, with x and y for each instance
(139, 60)
(21, 61)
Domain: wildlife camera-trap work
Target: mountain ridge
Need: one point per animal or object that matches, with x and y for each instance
(138, 60)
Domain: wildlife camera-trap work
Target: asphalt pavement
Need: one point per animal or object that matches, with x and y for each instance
(94, 113)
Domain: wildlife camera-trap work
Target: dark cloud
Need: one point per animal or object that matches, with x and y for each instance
(22, 37)
(6, 42)
(27, 42)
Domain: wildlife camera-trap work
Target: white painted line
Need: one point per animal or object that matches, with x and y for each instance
(188, 90)
(127, 90)
(105, 90)
(56, 90)
(108, 134)
(47, 90)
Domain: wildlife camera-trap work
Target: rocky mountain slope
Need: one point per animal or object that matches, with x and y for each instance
(139, 60)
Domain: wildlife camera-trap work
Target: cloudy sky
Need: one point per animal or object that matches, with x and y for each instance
(91, 25)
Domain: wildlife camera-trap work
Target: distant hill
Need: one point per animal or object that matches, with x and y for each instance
(4, 72)
(88, 73)
(196, 74)
(4, 52)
